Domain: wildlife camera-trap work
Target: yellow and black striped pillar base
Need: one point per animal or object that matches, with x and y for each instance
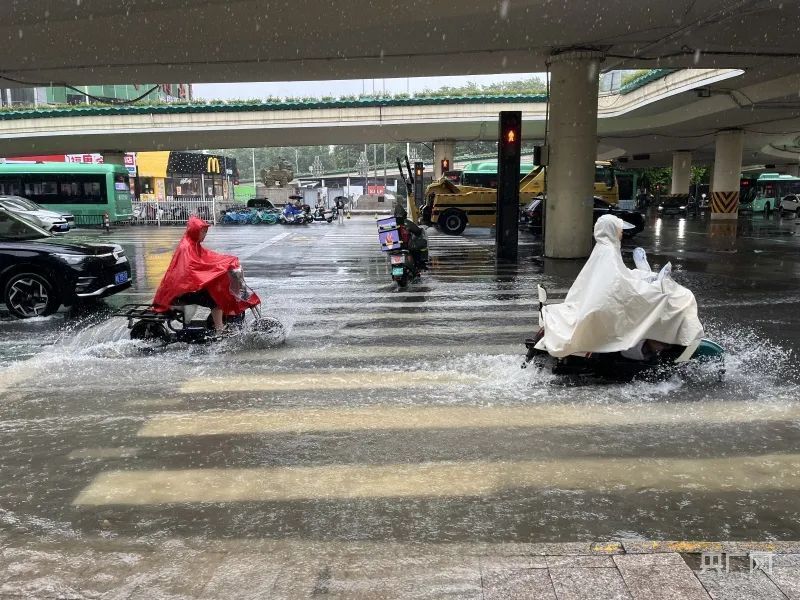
(722, 235)
(725, 205)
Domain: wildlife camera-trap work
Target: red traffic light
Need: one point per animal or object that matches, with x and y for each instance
(511, 136)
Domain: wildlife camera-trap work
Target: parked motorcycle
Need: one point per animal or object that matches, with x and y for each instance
(295, 215)
(324, 214)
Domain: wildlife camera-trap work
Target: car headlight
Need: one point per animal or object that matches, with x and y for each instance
(660, 208)
(681, 208)
(72, 259)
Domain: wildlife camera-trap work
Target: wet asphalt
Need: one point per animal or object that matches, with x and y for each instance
(404, 415)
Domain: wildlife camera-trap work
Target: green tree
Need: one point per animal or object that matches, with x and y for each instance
(700, 174)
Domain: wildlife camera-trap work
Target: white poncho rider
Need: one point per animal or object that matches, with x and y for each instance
(611, 308)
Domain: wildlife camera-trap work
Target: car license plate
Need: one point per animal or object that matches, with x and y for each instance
(397, 270)
(120, 278)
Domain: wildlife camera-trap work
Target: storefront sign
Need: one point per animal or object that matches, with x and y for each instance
(192, 163)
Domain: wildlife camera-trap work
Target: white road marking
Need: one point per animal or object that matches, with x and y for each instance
(443, 479)
(384, 417)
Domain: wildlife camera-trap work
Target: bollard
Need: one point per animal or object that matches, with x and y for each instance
(106, 222)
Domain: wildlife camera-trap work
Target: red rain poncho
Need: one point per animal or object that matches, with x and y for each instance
(194, 268)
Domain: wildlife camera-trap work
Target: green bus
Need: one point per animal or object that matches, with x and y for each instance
(87, 191)
(484, 173)
(770, 188)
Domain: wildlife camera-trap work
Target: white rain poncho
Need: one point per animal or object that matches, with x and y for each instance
(611, 308)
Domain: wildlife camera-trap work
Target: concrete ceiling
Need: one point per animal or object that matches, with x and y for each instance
(97, 41)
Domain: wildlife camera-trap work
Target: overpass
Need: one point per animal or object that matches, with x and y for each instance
(654, 116)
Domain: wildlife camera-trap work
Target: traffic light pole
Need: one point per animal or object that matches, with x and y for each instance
(419, 179)
(508, 160)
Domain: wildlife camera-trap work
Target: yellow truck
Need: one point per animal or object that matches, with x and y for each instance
(452, 206)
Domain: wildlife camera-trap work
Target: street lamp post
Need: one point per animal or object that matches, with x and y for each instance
(317, 170)
(316, 167)
(363, 169)
(254, 172)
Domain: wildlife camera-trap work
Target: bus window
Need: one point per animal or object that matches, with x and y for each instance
(121, 183)
(64, 189)
(10, 187)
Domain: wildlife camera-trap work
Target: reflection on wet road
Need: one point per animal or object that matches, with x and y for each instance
(404, 415)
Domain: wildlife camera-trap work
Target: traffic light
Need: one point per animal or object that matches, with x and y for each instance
(445, 165)
(508, 158)
(511, 133)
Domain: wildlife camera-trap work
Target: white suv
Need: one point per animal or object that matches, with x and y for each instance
(790, 204)
(46, 219)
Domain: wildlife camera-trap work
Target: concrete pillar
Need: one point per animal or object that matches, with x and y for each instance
(113, 157)
(681, 172)
(442, 149)
(572, 141)
(727, 173)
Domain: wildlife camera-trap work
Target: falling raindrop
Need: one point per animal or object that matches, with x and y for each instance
(697, 56)
(504, 4)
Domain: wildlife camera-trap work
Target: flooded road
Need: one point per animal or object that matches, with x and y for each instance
(405, 416)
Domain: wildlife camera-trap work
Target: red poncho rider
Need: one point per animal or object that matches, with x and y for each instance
(197, 275)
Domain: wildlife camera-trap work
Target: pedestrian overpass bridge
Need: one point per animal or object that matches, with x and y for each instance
(656, 114)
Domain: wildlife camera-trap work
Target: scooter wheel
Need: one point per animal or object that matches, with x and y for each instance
(149, 331)
(268, 325)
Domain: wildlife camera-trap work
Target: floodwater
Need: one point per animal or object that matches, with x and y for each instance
(404, 415)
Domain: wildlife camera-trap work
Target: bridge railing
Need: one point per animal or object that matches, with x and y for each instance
(177, 210)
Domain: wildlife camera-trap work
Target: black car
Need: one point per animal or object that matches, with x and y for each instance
(531, 215)
(263, 204)
(676, 206)
(40, 272)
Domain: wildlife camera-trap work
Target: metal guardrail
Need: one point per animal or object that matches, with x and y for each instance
(176, 211)
(89, 220)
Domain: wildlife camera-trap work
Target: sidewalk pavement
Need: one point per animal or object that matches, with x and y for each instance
(52, 567)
